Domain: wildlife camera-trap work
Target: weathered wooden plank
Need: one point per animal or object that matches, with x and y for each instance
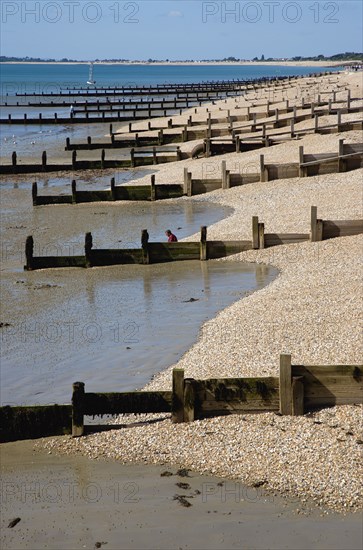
(341, 228)
(78, 409)
(127, 402)
(331, 384)
(274, 239)
(48, 262)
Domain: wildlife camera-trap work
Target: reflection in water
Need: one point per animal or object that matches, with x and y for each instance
(127, 322)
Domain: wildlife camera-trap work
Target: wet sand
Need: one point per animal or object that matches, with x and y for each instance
(72, 502)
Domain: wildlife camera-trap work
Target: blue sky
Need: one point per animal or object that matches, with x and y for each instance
(178, 29)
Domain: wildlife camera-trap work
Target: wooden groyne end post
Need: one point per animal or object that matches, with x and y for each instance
(285, 385)
(74, 192)
(34, 193)
(153, 188)
(29, 251)
(78, 409)
(113, 189)
(203, 243)
(145, 246)
(255, 233)
(177, 405)
(187, 182)
(88, 243)
(44, 160)
(316, 226)
(225, 176)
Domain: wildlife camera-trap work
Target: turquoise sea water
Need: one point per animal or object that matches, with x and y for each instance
(41, 77)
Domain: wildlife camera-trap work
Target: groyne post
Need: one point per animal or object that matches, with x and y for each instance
(29, 251)
(255, 233)
(153, 188)
(177, 403)
(88, 243)
(113, 189)
(34, 193)
(44, 160)
(145, 246)
(316, 226)
(78, 409)
(74, 192)
(285, 385)
(203, 243)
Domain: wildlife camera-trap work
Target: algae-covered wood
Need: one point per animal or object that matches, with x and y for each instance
(127, 402)
(233, 395)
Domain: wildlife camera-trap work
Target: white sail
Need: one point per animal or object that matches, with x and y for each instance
(90, 80)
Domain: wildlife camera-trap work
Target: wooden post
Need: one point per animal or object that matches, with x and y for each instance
(276, 116)
(224, 174)
(298, 395)
(89, 140)
(316, 123)
(88, 243)
(153, 188)
(77, 409)
(29, 251)
(285, 385)
(261, 235)
(329, 106)
(238, 144)
(111, 130)
(113, 189)
(103, 155)
(74, 192)
(341, 162)
(255, 233)
(44, 160)
(339, 119)
(203, 243)
(177, 404)
(302, 171)
(160, 137)
(34, 193)
(130, 127)
(132, 158)
(312, 110)
(207, 147)
(187, 182)
(292, 128)
(348, 100)
(263, 169)
(68, 143)
(74, 160)
(189, 400)
(316, 226)
(145, 246)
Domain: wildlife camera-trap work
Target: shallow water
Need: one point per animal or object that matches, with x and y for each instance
(114, 328)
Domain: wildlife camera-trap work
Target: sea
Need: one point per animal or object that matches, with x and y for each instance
(115, 328)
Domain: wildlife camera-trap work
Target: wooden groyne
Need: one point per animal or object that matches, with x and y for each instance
(156, 252)
(148, 253)
(140, 157)
(150, 192)
(297, 390)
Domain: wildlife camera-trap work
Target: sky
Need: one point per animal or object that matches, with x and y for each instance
(178, 29)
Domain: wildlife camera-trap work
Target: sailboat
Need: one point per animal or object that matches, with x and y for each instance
(90, 80)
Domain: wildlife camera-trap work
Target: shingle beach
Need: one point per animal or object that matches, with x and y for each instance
(312, 310)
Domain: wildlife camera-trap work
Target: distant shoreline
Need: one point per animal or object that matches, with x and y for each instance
(195, 63)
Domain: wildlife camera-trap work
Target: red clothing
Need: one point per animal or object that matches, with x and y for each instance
(172, 239)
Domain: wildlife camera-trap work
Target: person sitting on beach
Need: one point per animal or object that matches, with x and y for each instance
(171, 237)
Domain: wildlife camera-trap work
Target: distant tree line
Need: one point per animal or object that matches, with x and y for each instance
(351, 56)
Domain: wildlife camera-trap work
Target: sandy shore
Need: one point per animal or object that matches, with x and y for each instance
(93, 504)
(312, 310)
